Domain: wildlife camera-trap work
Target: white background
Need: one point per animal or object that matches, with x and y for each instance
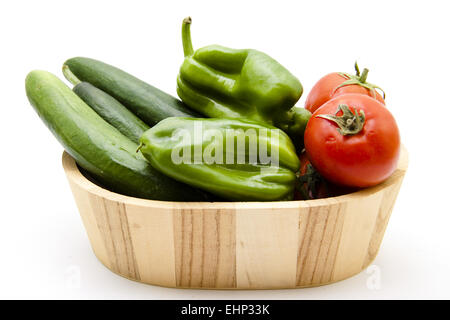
(43, 245)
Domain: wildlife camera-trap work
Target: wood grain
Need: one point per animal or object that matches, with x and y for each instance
(112, 222)
(204, 248)
(152, 238)
(235, 245)
(320, 232)
(266, 248)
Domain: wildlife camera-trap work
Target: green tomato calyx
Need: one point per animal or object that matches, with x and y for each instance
(359, 79)
(348, 123)
(308, 183)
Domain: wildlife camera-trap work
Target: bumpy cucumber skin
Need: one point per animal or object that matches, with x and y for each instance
(97, 146)
(112, 111)
(147, 102)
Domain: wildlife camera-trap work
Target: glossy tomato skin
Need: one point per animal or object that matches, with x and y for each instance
(325, 89)
(323, 188)
(361, 160)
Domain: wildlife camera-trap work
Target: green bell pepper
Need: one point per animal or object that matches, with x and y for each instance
(236, 159)
(222, 82)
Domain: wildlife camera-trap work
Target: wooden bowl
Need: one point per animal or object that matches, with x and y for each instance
(235, 245)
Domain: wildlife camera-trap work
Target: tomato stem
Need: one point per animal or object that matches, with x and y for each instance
(348, 123)
(357, 68)
(363, 76)
(360, 80)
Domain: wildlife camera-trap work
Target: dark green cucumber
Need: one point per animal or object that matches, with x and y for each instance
(112, 111)
(97, 146)
(150, 104)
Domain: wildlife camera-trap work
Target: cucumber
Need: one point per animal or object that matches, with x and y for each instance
(147, 102)
(98, 147)
(112, 111)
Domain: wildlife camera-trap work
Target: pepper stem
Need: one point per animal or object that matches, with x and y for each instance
(186, 37)
(139, 147)
(69, 75)
(349, 123)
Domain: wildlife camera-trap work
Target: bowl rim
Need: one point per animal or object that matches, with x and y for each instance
(75, 176)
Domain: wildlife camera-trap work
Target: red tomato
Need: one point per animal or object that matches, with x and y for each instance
(310, 184)
(363, 150)
(328, 88)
